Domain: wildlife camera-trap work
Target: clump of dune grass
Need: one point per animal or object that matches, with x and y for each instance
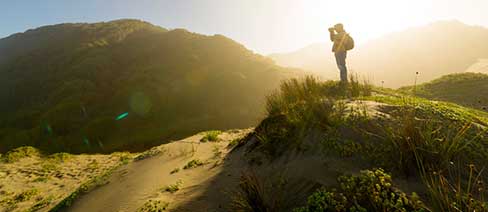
(19, 153)
(302, 105)
(211, 136)
(451, 190)
(60, 157)
(193, 164)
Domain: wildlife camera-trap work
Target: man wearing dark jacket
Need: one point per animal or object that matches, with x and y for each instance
(339, 36)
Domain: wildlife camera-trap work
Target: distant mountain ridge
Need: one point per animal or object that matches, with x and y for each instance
(433, 50)
(62, 86)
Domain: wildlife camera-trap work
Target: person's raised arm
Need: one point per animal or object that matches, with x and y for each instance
(332, 34)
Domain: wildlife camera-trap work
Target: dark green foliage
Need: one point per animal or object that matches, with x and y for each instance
(174, 171)
(275, 193)
(468, 89)
(154, 206)
(26, 195)
(193, 164)
(174, 187)
(370, 191)
(19, 153)
(148, 154)
(62, 86)
(60, 157)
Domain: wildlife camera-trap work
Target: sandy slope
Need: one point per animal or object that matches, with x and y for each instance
(131, 186)
(45, 182)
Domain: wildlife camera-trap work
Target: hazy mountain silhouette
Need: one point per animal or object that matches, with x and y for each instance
(63, 86)
(433, 50)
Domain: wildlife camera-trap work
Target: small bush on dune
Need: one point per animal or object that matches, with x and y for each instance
(154, 206)
(60, 157)
(19, 153)
(174, 187)
(211, 136)
(193, 164)
(370, 191)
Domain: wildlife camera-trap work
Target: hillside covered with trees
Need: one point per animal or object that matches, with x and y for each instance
(125, 85)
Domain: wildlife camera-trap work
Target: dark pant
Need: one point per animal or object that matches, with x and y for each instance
(341, 64)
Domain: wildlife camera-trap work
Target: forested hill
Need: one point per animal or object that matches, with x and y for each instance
(63, 87)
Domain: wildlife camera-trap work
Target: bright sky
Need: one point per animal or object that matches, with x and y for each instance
(265, 26)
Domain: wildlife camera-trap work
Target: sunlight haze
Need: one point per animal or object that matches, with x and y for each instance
(263, 26)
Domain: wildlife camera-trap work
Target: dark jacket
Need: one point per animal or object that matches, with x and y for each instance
(339, 40)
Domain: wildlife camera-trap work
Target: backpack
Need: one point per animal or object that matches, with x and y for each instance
(349, 42)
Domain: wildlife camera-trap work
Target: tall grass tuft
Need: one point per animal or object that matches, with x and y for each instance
(438, 153)
(449, 190)
(301, 105)
(252, 196)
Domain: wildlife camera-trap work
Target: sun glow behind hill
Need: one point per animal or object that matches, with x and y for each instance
(264, 26)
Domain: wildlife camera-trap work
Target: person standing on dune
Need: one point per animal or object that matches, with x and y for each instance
(343, 42)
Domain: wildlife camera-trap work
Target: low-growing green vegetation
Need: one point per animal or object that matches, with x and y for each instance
(193, 164)
(19, 153)
(149, 153)
(60, 157)
(370, 191)
(429, 142)
(175, 170)
(124, 157)
(11, 202)
(174, 187)
(44, 202)
(154, 206)
(211, 136)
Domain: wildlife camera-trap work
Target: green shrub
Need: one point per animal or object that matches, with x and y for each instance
(26, 195)
(211, 136)
(370, 191)
(48, 167)
(193, 164)
(149, 153)
(19, 153)
(174, 171)
(44, 202)
(60, 157)
(154, 206)
(174, 187)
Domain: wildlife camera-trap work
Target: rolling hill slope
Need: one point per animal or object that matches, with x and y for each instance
(468, 89)
(63, 86)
